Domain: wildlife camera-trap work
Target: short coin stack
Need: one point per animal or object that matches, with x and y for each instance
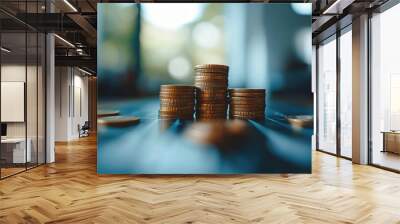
(211, 81)
(247, 103)
(177, 101)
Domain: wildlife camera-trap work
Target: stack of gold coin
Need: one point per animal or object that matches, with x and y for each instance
(247, 103)
(177, 102)
(211, 81)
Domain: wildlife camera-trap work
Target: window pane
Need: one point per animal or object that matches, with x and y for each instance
(345, 94)
(327, 97)
(386, 89)
(14, 150)
(31, 99)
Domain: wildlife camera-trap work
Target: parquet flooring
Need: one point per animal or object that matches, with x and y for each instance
(70, 191)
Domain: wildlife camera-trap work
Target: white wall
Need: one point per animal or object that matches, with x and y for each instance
(33, 127)
(62, 81)
(16, 73)
(71, 87)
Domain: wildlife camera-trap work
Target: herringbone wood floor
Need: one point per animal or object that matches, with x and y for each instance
(70, 191)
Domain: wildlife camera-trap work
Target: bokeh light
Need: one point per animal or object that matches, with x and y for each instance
(303, 43)
(171, 15)
(179, 68)
(206, 34)
(302, 8)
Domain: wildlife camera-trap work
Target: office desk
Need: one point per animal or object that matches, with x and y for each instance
(391, 141)
(13, 150)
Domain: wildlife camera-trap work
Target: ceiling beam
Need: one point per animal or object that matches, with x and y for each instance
(82, 61)
(86, 26)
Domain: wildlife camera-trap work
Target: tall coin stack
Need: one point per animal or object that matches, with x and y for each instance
(247, 103)
(177, 101)
(211, 81)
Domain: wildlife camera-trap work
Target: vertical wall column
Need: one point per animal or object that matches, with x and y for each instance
(50, 98)
(360, 90)
(92, 88)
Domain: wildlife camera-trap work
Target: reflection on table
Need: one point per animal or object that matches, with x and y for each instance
(207, 147)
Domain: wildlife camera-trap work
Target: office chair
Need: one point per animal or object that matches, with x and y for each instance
(84, 130)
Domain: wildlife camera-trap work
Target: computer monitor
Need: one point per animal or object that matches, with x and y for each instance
(3, 129)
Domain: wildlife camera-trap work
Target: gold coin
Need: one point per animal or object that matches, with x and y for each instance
(246, 90)
(107, 113)
(218, 96)
(176, 87)
(212, 96)
(233, 110)
(118, 121)
(247, 99)
(204, 82)
(177, 96)
(219, 114)
(176, 107)
(173, 111)
(212, 105)
(211, 111)
(247, 113)
(201, 76)
(211, 90)
(177, 104)
(241, 104)
(177, 92)
(246, 104)
(177, 100)
(212, 66)
(170, 111)
(209, 75)
(247, 117)
(211, 85)
(247, 95)
(211, 101)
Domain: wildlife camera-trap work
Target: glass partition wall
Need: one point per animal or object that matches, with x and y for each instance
(327, 96)
(345, 92)
(22, 107)
(385, 89)
(334, 94)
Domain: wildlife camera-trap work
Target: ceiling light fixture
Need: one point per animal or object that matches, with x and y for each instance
(337, 7)
(5, 50)
(331, 7)
(70, 5)
(64, 40)
(84, 71)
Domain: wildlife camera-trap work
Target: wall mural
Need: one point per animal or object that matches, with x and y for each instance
(211, 88)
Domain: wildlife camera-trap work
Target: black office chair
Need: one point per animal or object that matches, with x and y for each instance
(84, 130)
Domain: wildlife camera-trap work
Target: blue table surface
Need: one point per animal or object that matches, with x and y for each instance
(157, 146)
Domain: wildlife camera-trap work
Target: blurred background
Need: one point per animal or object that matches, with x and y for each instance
(266, 46)
(143, 46)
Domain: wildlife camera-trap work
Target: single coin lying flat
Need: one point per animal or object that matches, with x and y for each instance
(107, 113)
(118, 121)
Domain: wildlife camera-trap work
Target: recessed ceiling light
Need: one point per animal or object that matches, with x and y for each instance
(84, 71)
(70, 5)
(5, 50)
(64, 40)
